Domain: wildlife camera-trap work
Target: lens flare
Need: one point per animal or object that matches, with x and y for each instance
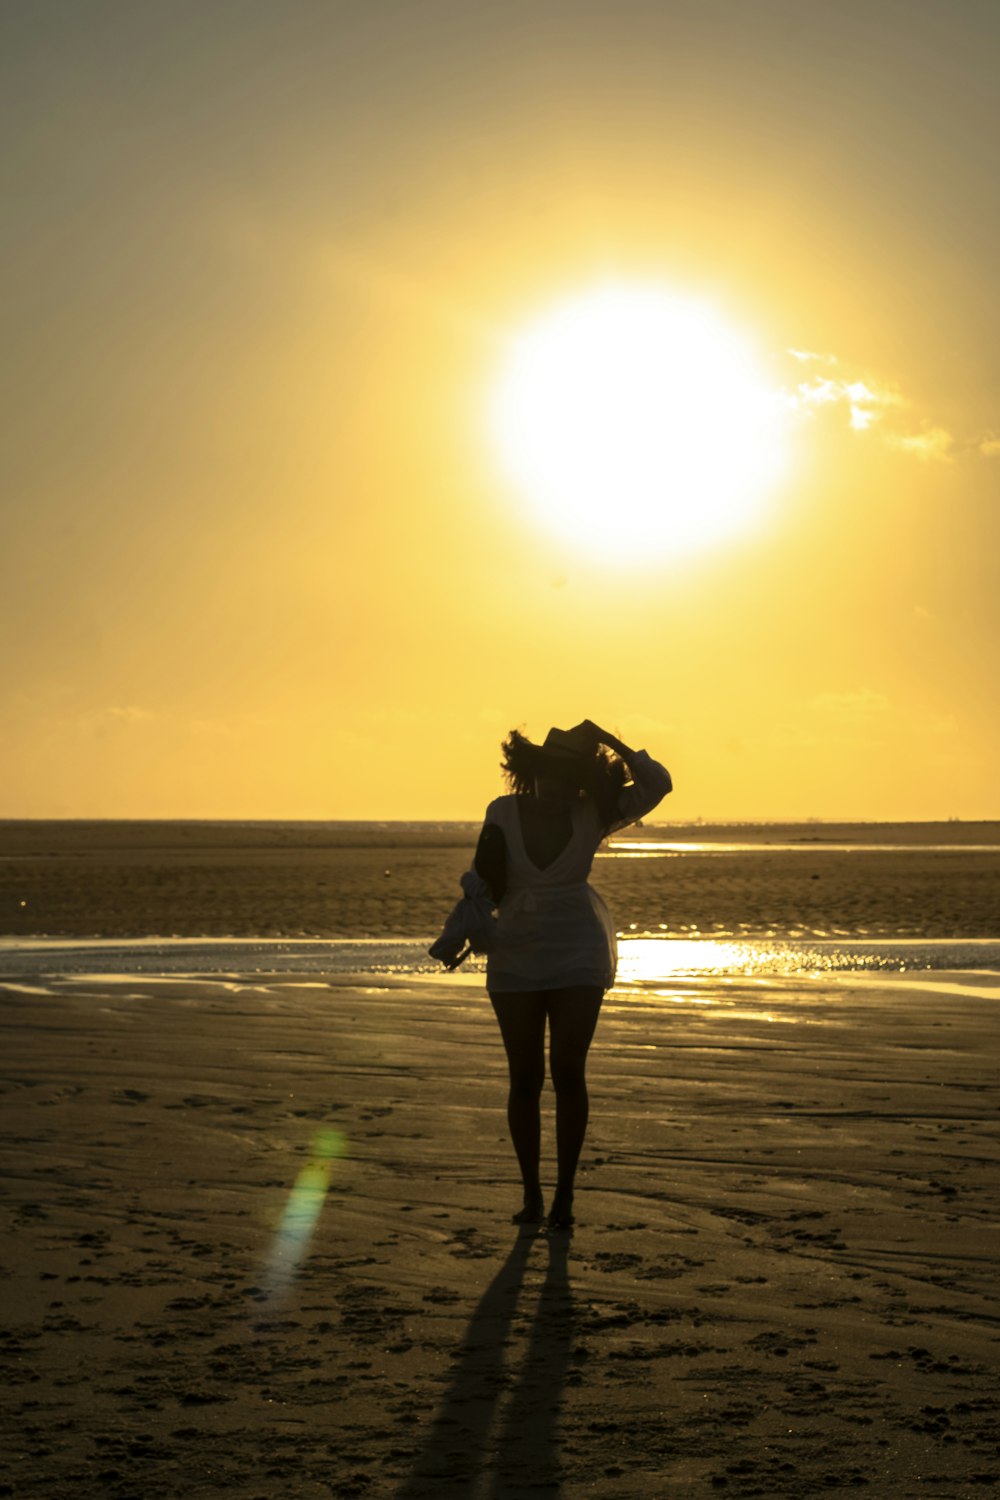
(303, 1208)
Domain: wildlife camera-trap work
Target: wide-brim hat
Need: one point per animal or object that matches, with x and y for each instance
(568, 744)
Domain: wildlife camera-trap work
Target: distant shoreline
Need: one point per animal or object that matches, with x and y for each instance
(818, 828)
(354, 880)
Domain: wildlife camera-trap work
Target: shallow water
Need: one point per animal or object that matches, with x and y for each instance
(642, 959)
(648, 848)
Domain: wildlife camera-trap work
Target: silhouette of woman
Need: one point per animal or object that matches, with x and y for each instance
(554, 952)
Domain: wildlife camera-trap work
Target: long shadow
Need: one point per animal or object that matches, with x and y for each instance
(527, 1448)
(463, 1456)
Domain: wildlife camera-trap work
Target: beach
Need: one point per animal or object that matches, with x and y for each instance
(389, 388)
(135, 879)
(258, 1238)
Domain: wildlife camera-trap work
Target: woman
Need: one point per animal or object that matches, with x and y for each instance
(554, 952)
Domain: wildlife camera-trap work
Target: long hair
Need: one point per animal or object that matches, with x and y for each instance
(599, 776)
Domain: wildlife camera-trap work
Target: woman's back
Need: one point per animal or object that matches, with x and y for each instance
(546, 848)
(546, 829)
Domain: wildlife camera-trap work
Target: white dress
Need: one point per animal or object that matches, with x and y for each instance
(553, 930)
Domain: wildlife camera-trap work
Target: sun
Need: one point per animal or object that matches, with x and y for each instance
(636, 422)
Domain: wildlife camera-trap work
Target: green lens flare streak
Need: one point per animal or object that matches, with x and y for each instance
(305, 1203)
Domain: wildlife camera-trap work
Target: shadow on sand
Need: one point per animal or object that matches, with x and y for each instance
(494, 1437)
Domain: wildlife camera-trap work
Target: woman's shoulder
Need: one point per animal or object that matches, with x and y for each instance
(500, 808)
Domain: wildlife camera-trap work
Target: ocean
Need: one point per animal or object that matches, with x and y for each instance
(361, 898)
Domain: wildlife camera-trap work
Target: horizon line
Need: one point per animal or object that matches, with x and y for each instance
(699, 822)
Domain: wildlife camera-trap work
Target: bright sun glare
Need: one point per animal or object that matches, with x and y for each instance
(636, 421)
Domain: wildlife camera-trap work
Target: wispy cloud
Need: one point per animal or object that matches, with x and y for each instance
(809, 356)
(867, 401)
(864, 400)
(856, 706)
(932, 445)
(102, 721)
(851, 716)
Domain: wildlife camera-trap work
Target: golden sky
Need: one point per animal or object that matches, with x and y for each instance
(263, 262)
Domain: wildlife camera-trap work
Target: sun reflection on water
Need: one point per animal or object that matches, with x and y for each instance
(649, 848)
(648, 960)
(651, 960)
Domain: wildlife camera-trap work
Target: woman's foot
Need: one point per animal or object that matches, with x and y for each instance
(561, 1212)
(533, 1211)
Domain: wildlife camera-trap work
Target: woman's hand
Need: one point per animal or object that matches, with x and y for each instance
(603, 737)
(599, 734)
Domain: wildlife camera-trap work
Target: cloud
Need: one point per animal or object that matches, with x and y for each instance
(865, 400)
(131, 714)
(809, 356)
(933, 445)
(865, 403)
(849, 717)
(102, 721)
(989, 445)
(856, 706)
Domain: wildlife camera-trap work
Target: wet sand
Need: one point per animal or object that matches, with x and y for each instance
(257, 1244)
(300, 880)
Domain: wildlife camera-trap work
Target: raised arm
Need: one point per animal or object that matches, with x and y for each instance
(650, 781)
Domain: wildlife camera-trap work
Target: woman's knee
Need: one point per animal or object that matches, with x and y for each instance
(569, 1075)
(526, 1082)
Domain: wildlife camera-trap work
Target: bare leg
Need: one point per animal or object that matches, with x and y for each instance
(522, 1026)
(572, 1020)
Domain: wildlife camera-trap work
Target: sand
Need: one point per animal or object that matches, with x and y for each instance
(80, 879)
(783, 1280)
